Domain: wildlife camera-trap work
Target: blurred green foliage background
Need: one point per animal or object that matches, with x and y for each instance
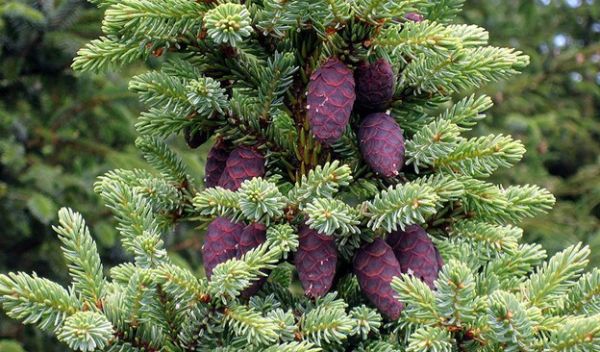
(554, 108)
(59, 132)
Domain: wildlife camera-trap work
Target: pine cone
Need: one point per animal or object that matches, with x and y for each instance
(316, 260)
(416, 253)
(196, 138)
(375, 265)
(415, 17)
(374, 85)
(253, 236)
(330, 99)
(215, 163)
(220, 243)
(244, 163)
(382, 144)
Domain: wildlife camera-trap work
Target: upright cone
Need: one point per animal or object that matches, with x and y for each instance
(382, 144)
(215, 163)
(416, 253)
(375, 265)
(316, 261)
(220, 243)
(374, 85)
(244, 163)
(330, 100)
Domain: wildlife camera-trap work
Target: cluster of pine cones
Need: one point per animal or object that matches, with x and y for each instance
(334, 91)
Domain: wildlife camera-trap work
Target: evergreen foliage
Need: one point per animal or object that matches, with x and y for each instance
(553, 107)
(57, 133)
(492, 293)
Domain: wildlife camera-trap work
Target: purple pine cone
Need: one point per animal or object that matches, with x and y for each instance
(316, 261)
(244, 163)
(416, 253)
(220, 243)
(415, 17)
(253, 236)
(375, 265)
(215, 163)
(374, 85)
(382, 144)
(330, 99)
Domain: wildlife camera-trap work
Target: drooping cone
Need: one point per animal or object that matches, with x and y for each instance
(382, 144)
(416, 253)
(374, 85)
(375, 265)
(316, 261)
(220, 243)
(244, 163)
(252, 236)
(215, 163)
(330, 99)
(194, 139)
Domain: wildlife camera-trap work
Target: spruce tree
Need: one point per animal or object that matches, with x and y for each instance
(345, 210)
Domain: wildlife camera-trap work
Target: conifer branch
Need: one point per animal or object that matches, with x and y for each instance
(158, 154)
(137, 225)
(420, 300)
(583, 297)
(509, 322)
(323, 181)
(38, 301)
(577, 334)
(106, 53)
(326, 325)
(250, 325)
(218, 201)
(444, 9)
(456, 295)
(330, 215)
(430, 339)
(480, 157)
(86, 331)
(411, 39)
(490, 237)
(81, 254)
(150, 19)
(372, 10)
(468, 111)
(433, 142)
(553, 279)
